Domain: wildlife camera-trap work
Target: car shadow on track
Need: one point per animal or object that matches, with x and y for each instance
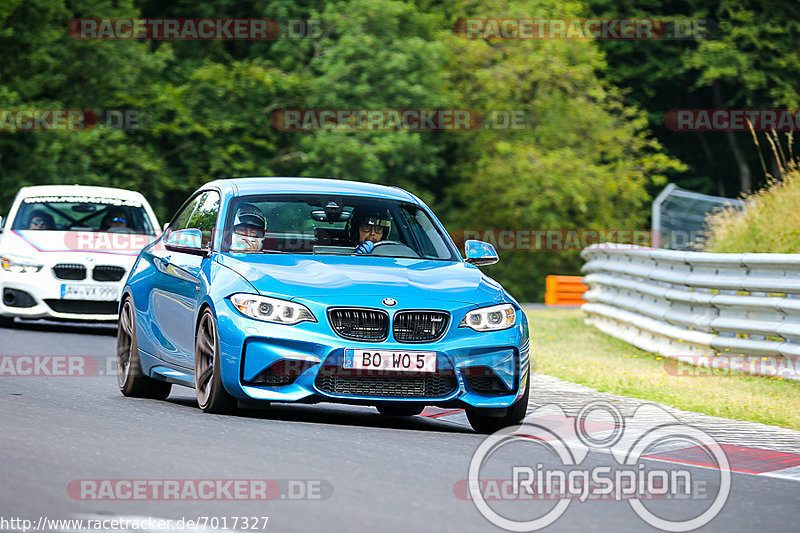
(105, 328)
(336, 414)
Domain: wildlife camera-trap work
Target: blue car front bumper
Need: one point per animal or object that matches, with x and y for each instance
(303, 363)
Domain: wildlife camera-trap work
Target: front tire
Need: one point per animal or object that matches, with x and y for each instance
(211, 395)
(6, 322)
(132, 382)
(482, 423)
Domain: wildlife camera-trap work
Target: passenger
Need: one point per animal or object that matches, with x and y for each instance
(249, 229)
(41, 221)
(369, 226)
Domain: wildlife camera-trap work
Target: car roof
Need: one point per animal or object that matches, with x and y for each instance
(284, 185)
(82, 190)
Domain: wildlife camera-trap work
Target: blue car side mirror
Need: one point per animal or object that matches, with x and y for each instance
(480, 253)
(189, 241)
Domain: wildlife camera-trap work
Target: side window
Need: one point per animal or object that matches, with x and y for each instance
(204, 217)
(424, 232)
(431, 235)
(181, 220)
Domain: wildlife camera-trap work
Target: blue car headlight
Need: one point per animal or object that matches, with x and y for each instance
(492, 318)
(271, 309)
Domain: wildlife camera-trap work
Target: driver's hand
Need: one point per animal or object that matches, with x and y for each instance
(365, 247)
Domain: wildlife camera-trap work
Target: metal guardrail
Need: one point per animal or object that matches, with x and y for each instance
(695, 304)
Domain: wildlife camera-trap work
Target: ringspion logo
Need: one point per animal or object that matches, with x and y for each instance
(564, 475)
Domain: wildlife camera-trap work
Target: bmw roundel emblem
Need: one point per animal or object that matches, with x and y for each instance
(389, 302)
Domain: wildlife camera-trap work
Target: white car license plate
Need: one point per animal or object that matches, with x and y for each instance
(399, 361)
(89, 292)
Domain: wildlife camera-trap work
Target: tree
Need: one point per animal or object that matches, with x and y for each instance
(584, 161)
(748, 60)
(42, 67)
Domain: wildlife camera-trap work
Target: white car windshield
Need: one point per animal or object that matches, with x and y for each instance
(310, 224)
(80, 213)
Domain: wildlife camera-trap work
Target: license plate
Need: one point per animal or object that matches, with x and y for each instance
(398, 361)
(89, 292)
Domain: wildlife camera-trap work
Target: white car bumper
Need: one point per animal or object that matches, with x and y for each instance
(44, 295)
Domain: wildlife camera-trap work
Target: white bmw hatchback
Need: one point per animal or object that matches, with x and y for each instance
(65, 251)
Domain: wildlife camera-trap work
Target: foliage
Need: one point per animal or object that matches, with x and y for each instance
(585, 159)
(747, 60)
(770, 222)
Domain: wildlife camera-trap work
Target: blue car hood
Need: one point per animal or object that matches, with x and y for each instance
(332, 276)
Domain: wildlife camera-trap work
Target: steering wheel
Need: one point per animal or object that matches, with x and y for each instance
(393, 249)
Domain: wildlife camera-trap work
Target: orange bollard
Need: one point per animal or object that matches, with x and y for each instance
(564, 290)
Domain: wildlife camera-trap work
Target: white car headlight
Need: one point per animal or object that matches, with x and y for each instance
(493, 318)
(18, 265)
(272, 309)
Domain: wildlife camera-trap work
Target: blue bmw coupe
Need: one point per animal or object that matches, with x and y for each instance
(317, 290)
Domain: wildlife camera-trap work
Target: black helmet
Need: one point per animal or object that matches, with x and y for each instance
(370, 217)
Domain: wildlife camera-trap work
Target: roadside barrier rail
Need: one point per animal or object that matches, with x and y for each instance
(680, 303)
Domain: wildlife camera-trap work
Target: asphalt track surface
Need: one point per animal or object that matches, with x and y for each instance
(365, 472)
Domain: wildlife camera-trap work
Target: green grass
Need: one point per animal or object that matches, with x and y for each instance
(564, 347)
(770, 223)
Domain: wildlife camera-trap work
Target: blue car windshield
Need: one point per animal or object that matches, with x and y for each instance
(331, 224)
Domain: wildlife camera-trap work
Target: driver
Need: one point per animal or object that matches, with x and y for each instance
(115, 220)
(249, 229)
(370, 226)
